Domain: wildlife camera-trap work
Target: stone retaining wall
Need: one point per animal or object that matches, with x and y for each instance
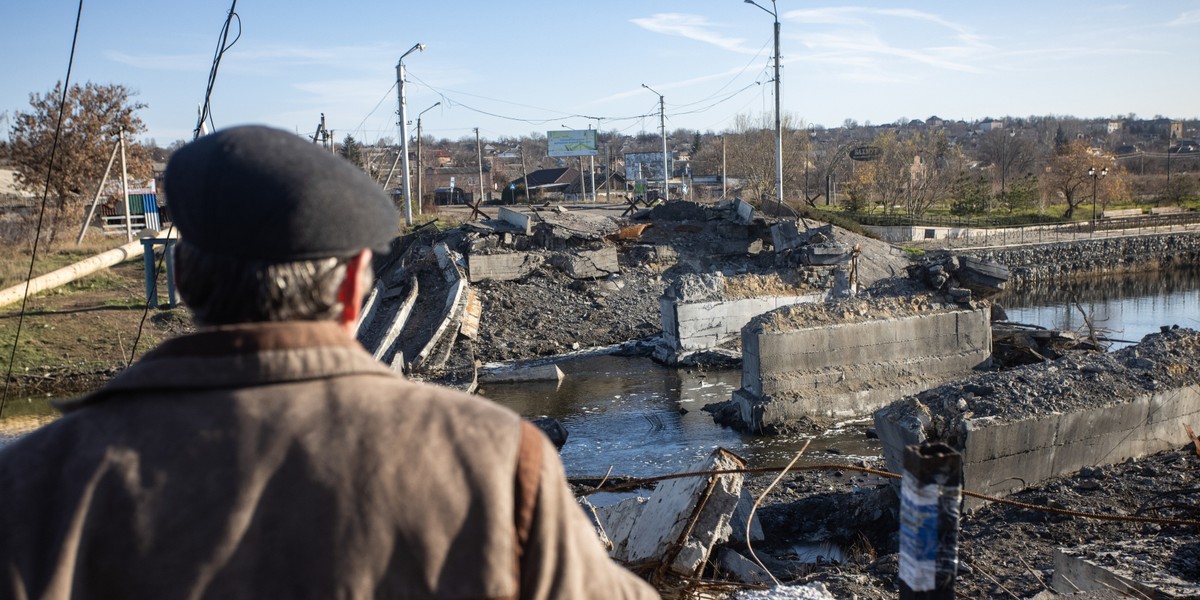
(1062, 260)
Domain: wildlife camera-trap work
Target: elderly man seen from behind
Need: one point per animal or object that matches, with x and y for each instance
(267, 455)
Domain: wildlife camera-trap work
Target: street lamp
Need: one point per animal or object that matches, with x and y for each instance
(404, 178)
(662, 122)
(774, 12)
(1094, 174)
(420, 164)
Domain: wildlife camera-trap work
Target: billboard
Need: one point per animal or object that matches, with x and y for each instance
(644, 165)
(572, 142)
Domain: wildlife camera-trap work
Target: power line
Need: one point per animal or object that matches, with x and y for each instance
(222, 46)
(62, 104)
(444, 95)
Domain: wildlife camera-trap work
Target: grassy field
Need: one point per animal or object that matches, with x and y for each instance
(78, 334)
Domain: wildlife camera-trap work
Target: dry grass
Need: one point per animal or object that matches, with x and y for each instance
(14, 258)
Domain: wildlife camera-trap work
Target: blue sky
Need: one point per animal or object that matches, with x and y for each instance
(513, 68)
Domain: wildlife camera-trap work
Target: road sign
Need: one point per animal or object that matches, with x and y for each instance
(866, 153)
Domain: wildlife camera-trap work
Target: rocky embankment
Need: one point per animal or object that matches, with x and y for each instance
(1063, 260)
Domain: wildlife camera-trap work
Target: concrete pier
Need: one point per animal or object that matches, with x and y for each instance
(1003, 456)
(1018, 428)
(792, 371)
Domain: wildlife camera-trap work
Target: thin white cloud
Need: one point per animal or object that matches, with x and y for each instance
(692, 27)
(1190, 17)
(161, 62)
(853, 36)
(262, 58)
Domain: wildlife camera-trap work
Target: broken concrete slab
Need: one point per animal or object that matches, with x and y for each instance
(681, 522)
(522, 221)
(509, 266)
(786, 236)
(702, 311)
(615, 523)
(1124, 566)
(588, 264)
(742, 533)
(399, 318)
(549, 372)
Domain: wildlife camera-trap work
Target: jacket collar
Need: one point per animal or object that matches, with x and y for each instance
(242, 355)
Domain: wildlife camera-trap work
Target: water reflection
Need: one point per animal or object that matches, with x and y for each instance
(625, 413)
(1127, 307)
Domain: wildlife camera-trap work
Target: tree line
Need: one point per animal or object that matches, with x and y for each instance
(969, 169)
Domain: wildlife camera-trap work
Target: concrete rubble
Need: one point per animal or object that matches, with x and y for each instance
(683, 277)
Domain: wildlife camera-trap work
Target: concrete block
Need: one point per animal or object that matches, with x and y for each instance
(502, 267)
(516, 374)
(521, 221)
(1086, 424)
(1003, 475)
(988, 439)
(588, 264)
(785, 236)
(744, 210)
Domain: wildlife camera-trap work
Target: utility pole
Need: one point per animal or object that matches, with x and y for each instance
(479, 158)
(774, 12)
(125, 188)
(724, 193)
(662, 124)
(404, 176)
(420, 163)
(524, 175)
(608, 175)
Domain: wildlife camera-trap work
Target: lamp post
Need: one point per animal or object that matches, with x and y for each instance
(404, 177)
(420, 164)
(662, 122)
(774, 12)
(1094, 174)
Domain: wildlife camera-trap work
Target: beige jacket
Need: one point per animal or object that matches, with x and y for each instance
(281, 461)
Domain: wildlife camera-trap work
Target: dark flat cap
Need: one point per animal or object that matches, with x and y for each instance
(260, 193)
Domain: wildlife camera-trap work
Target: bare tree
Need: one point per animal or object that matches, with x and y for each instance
(1067, 177)
(94, 114)
(912, 173)
(1010, 156)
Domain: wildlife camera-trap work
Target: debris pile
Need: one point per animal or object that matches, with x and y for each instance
(1161, 361)
(549, 281)
(962, 277)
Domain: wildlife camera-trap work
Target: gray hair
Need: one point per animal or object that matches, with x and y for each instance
(221, 290)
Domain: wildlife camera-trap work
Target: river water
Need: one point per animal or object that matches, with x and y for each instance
(624, 412)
